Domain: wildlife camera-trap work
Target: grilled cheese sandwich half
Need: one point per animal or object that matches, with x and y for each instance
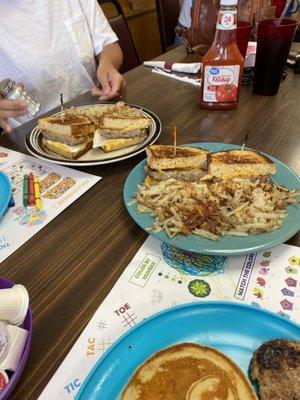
(69, 136)
(71, 152)
(188, 164)
(236, 163)
(117, 132)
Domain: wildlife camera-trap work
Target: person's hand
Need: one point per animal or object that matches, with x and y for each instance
(112, 82)
(11, 109)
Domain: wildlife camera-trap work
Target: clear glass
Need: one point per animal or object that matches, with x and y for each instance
(273, 46)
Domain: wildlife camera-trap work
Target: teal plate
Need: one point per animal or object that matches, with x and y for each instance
(5, 192)
(227, 245)
(235, 329)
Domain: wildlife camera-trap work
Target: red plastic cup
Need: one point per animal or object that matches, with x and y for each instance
(242, 36)
(273, 46)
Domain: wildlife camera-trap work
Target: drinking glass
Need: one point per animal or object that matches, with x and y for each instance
(273, 46)
(242, 36)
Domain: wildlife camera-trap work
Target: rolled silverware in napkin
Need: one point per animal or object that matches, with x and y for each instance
(192, 81)
(191, 68)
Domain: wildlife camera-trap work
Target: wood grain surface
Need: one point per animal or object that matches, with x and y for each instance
(74, 261)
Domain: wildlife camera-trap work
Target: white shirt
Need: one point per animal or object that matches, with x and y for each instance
(50, 46)
(185, 13)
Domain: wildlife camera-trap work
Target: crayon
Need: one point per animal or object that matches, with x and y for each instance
(25, 190)
(37, 194)
(31, 200)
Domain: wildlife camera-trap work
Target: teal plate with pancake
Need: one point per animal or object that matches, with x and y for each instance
(5, 192)
(227, 245)
(235, 329)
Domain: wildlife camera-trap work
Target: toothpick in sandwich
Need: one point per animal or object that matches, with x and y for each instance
(244, 144)
(175, 139)
(62, 108)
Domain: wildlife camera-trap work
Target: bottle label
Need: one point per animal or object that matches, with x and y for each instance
(227, 20)
(221, 83)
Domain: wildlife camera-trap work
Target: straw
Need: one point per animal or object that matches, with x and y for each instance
(283, 12)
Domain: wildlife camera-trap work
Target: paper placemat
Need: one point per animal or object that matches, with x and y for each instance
(160, 276)
(60, 187)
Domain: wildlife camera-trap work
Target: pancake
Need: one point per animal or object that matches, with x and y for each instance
(188, 372)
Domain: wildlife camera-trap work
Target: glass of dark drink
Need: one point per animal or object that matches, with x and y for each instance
(273, 46)
(242, 36)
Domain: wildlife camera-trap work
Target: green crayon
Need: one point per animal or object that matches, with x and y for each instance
(25, 190)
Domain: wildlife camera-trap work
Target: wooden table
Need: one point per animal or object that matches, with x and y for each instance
(73, 263)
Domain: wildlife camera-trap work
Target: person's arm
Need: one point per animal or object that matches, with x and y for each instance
(112, 82)
(10, 109)
(107, 52)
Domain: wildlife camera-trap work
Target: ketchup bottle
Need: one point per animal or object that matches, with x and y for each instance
(223, 64)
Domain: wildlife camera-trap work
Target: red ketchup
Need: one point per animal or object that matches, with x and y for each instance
(223, 64)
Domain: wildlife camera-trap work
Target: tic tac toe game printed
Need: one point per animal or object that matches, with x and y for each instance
(161, 276)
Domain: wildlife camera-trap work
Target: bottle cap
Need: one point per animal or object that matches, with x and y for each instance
(228, 2)
(5, 86)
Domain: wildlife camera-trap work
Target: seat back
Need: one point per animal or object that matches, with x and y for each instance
(168, 13)
(120, 27)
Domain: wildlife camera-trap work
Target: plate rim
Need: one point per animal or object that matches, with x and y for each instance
(184, 308)
(88, 163)
(5, 206)
(227, 252)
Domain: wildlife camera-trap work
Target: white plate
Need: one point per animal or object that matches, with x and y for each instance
(97, 156)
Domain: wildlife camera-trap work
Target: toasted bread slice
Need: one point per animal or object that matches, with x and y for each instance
(235, 163)
(72, 125)
(191, 372)
(65, 150)
(276, 367)
(162, 157)
(123, 110)
(119, 122)
(116, 143)
(96, 111)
